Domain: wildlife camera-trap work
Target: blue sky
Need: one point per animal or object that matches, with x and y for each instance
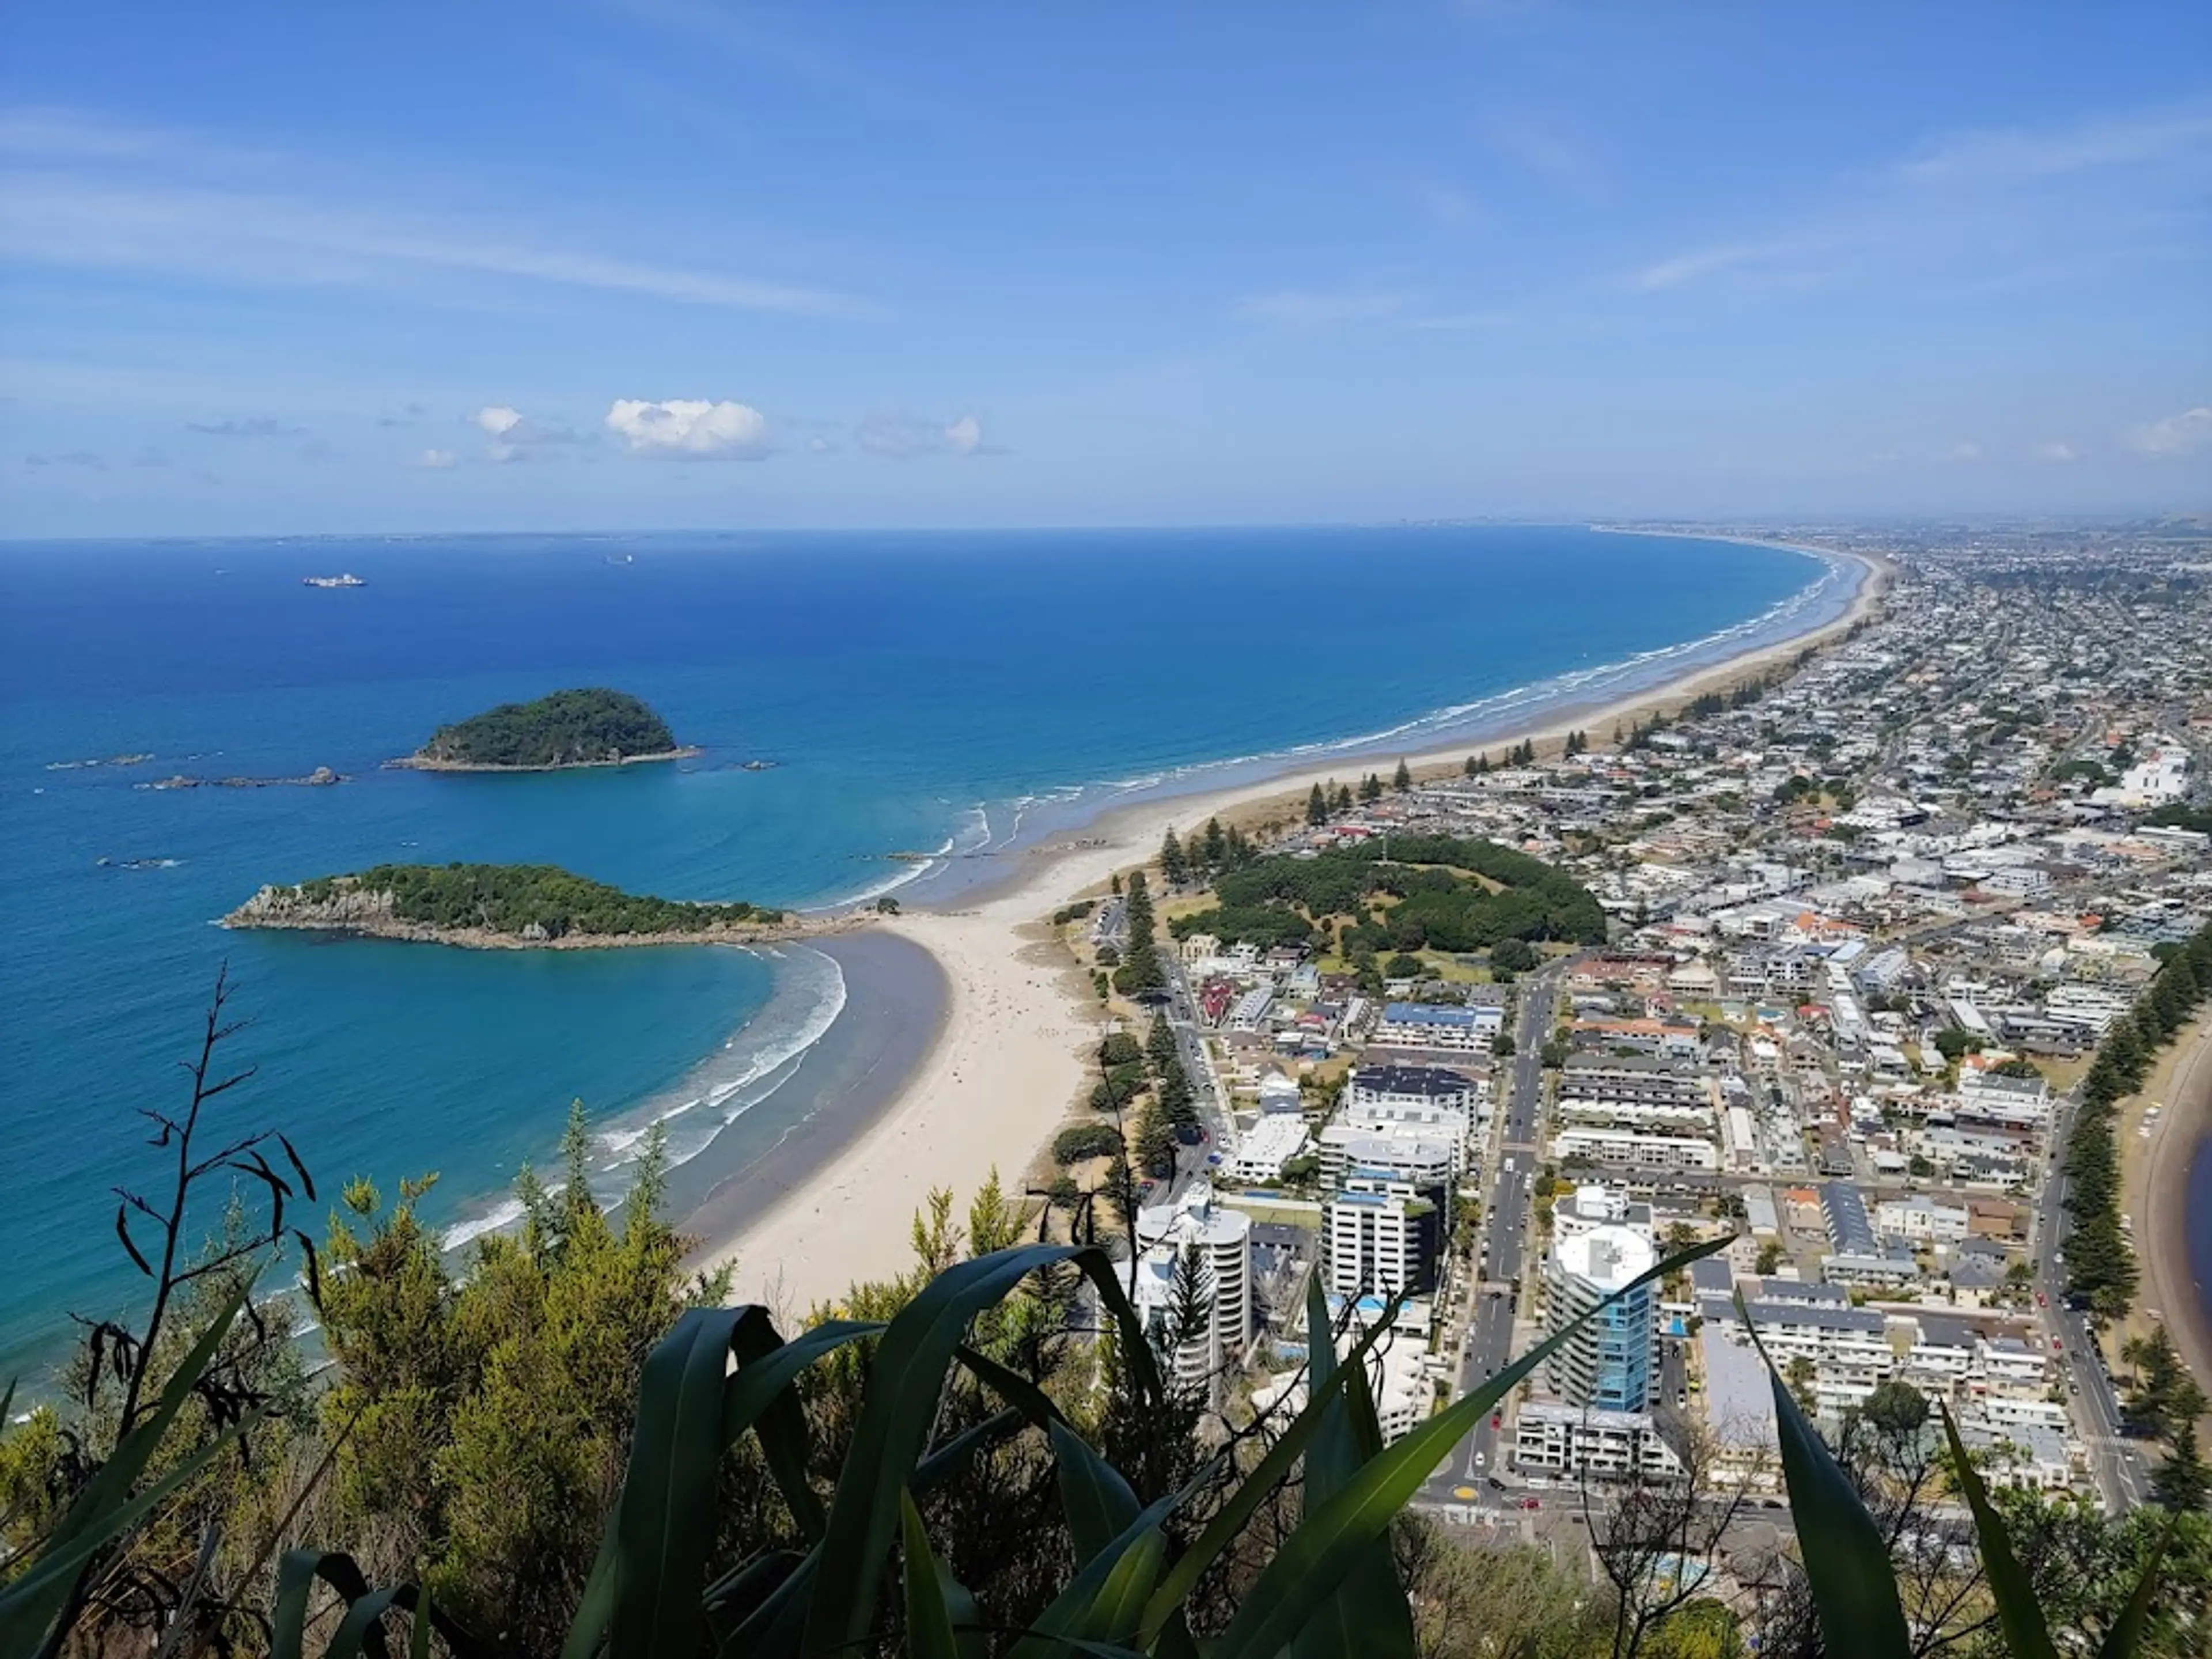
(294, 269)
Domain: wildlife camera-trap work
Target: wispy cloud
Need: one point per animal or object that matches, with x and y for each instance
(2016, 198)
(81, 193)
(261, 426)
(2123, 142)
(2184, 434)
(1540, 146)
(899, 436)
(509, 435)
(1309, 308)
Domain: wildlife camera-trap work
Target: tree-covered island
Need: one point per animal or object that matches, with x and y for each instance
(503, 906)
(589, 727)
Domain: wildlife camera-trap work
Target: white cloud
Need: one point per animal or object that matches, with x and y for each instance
(510, 435)
(689, 427)
(2056, 450)
(436, 460)
(902, 437)
(2184, 434)
(1969, 450)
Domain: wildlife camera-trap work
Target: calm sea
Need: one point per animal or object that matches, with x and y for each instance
(937, 694)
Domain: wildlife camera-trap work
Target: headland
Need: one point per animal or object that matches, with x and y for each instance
(511, 907)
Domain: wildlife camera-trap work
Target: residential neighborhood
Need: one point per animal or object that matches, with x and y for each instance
(1866, 918)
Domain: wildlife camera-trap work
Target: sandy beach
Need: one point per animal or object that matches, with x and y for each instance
(1009, 1059)
(2155, 1189)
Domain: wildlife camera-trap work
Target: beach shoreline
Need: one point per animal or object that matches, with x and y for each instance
(1006, 1065)
(2157, 1179)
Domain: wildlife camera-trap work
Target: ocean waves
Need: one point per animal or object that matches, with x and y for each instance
(753, 1064)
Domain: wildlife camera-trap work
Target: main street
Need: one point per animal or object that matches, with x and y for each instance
(2123, 1476)
(1502, 1241)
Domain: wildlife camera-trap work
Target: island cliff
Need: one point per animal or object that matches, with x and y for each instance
(590, 726)
(508, 906)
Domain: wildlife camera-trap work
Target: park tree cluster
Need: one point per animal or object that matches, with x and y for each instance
(1417, 892)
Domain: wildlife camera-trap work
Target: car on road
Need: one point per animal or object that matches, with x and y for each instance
(1497, 1419)
(1532, 1503)
(1494, 1484)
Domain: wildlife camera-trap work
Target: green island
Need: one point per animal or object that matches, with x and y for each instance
(499, 906)
(589, 727)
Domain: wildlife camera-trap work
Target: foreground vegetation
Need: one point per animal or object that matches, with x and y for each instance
(566, 1444)
(592, 727)
(533, 901)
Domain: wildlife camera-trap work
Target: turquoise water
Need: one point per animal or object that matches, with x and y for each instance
(951, 695)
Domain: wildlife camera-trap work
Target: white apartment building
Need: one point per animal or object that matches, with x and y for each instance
(1630, 1149)
(1405, 1153)
(1418, 1094)
(1922, 1218)
(1221, 1242)
(1849, 1348)
(1274, 1139)
(1445, 1026)
(1379, 1236)
(1653, 1117)
(1557, 1439)
(1587, 1208)
(1738, 1140)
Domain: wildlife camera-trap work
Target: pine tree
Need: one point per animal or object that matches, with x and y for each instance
(1370, 788)
(1140, 974)
(1214, 843)
(1317, 806)
(1156, 1142)
(1160, 1045)
(2182, 1482)
(1473, 766)
(1176, 1096)
(1344, 798)
(1173, 869)
(1402, 778)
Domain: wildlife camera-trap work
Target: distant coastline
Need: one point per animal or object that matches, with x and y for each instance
(1005, 1060)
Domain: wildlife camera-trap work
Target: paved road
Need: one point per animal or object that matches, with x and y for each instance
(2122, 1469)
(1502, 1246)
(1181, 1013)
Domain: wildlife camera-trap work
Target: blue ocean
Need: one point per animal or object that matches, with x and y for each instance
(954, 695)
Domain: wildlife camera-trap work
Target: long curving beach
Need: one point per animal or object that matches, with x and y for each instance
(2165, 1178)
(1007, 1058)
